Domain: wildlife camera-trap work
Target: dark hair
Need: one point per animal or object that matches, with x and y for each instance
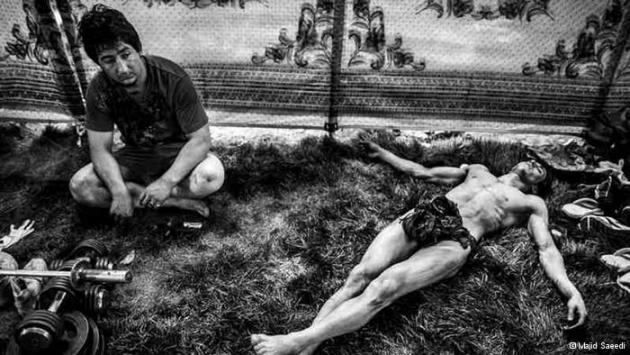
(103, 27)
(545, 187)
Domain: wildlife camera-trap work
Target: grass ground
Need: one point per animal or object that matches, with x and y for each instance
(285, 230)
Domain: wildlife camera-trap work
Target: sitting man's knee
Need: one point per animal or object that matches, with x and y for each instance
(78, 187)
(382, 292)
(83, 187)
(208, 177)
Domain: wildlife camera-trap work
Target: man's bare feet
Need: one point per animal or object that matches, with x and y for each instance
(188, 204)
(274, 345)
(199, 207)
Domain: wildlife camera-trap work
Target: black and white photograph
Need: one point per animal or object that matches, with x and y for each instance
(304, 177)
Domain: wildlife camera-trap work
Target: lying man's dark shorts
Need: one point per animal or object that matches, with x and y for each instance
(145, 165)
(436, 220)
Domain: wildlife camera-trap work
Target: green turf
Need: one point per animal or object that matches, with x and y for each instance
(285, 230)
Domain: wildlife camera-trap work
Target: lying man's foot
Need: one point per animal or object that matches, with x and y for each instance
(274, 345)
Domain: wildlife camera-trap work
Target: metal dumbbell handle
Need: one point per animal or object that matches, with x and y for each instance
(77, 275)
(89, 275)
(34, 273)
(103, 276)
(57, 302)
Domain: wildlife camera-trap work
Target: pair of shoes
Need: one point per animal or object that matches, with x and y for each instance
(619, 262)
(582, 207)
(613, 194)
(7, 262)
(27, 289)
(603, 225)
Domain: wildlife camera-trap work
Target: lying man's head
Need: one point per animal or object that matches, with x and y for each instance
(535, 176)
(530, 172)
(106, 29)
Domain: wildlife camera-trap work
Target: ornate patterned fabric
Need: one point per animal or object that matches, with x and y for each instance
(518, 65)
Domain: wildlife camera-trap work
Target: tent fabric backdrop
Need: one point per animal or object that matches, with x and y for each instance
(492, 65)
(39, 79)
(535, 66)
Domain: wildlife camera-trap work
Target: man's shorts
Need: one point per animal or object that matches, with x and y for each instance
(432, 221)
(145, 165)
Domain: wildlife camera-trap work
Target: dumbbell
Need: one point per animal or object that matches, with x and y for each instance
(92, 249)
(100, 263)
(95, 298)
(40, 329)
(81, 336)
(80, 273)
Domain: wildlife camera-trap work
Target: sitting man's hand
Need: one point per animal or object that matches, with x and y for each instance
(576, 305)
(155, 194)
(122, 206)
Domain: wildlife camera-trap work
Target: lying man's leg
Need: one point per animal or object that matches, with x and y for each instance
(390, 246)
(426, 266)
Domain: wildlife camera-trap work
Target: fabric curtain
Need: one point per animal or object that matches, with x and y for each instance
(489, 65)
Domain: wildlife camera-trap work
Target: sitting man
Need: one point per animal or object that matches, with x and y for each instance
(431, 243)
(166, 160)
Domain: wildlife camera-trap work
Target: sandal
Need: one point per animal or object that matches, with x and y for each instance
(624, 215)
(582, 207)
(603, 225)
(624, 281)
(7, 262)
(27, 289)
(619, 261)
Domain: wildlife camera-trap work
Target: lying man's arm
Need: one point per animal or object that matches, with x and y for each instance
(191, 154)
(108, 170)
(439, 175)
(552, 262)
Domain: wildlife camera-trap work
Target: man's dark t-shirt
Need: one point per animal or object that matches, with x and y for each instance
(168, 109)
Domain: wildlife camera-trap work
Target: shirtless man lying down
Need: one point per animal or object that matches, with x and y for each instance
(431, 243)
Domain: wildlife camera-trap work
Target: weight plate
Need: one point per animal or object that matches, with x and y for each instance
(104, 263)
(97, 339)
(39, 330)
(76, 333)
(77, 282)
(69, 264)
(90, 247)
(56, 264)
(96, 299)
(54, 285)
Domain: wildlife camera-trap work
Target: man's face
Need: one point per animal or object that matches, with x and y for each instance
(531, 172)
(122, 64)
